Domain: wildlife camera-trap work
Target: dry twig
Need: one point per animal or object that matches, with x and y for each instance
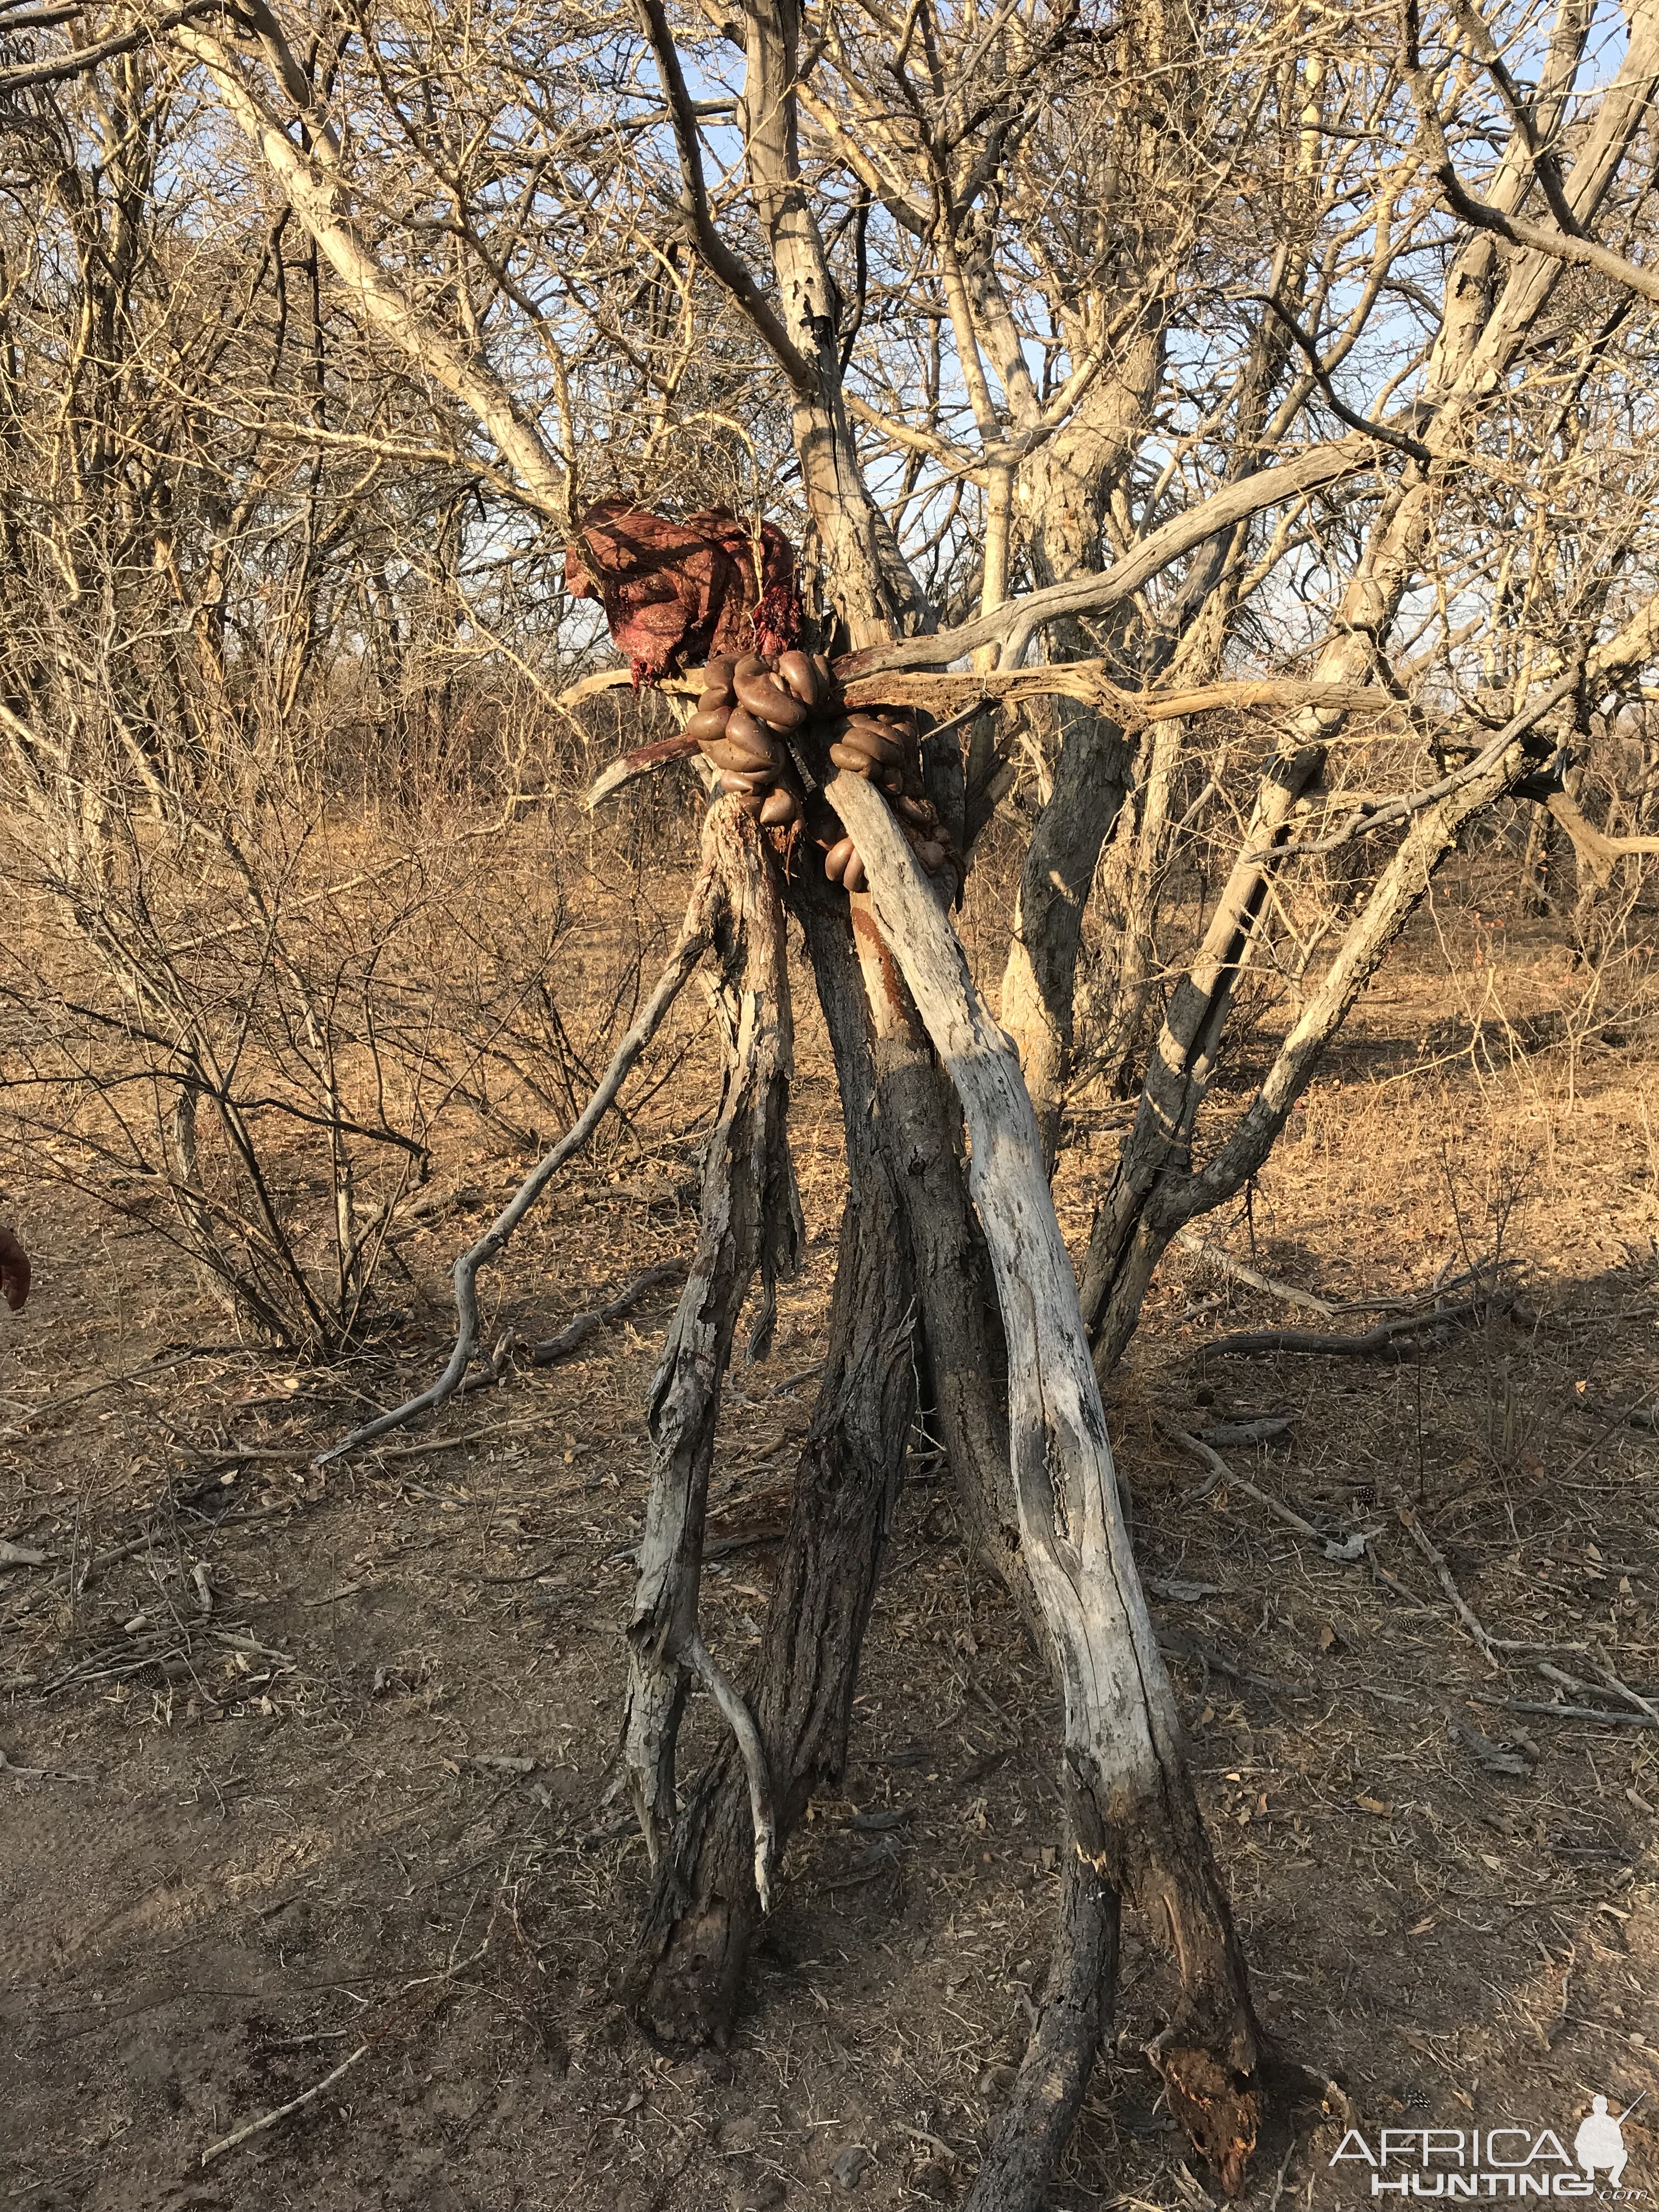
(1436, 1559)
(295, 2103)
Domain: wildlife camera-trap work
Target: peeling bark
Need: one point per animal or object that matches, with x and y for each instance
(750, 1225)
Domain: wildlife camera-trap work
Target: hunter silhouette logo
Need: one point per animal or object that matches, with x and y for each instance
(1599, 2143)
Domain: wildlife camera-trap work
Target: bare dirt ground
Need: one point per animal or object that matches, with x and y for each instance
(307, 1773)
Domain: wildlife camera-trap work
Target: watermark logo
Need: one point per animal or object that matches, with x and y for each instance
(1599, 2143)
(1458, 2163)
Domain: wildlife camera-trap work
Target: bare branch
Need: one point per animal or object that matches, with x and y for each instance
(724, 263)
(695, 935)
(1014, 624)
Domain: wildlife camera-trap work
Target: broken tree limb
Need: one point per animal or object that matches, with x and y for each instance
(1437, 1559)
(548, 1350)
(1286, 1294)
(1347, 1548)
(695, 935)
(752, 1751)
(1258, 1429)
(1219, 1472)
(1216, 1468)
(1129, 1795)
(1087, 682)
(293, 2104)
(1598, 852)
(621, 679)
(750, 1228)
(1012, 625)
(1645, 1418)
(1608, 1719)
(628, 767)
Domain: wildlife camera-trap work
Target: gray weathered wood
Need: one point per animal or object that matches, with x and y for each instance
(750, 1226)
(1132, 1813)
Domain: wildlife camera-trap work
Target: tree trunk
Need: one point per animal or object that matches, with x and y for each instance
(1039, 983)
(1035, 2124)
(1133, 885)
(903, 1166)
(1128, 1796)
(750, 1225)
(878, 599)
(920, 1126)
(1065, 494)
(687, 1969)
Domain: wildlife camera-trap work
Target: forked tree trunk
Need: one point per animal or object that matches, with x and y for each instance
(685, 1976)
(877, 597)
(907, 1235)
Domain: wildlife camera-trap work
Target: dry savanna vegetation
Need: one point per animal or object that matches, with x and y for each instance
(828, 1032)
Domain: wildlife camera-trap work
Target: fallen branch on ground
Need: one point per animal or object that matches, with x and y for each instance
(1389, 1340)
(1536, 1706)
(1563, 1680)
(1258, 1429)
(1347, 1551)
(1436, 1559)
(548, 1350)
(1219, 1472)
(1270, 1285)
(1645, 1418)
(295, 2103)
(1197, 1653)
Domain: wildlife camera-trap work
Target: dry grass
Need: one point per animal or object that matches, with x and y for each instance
(362, 1799)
